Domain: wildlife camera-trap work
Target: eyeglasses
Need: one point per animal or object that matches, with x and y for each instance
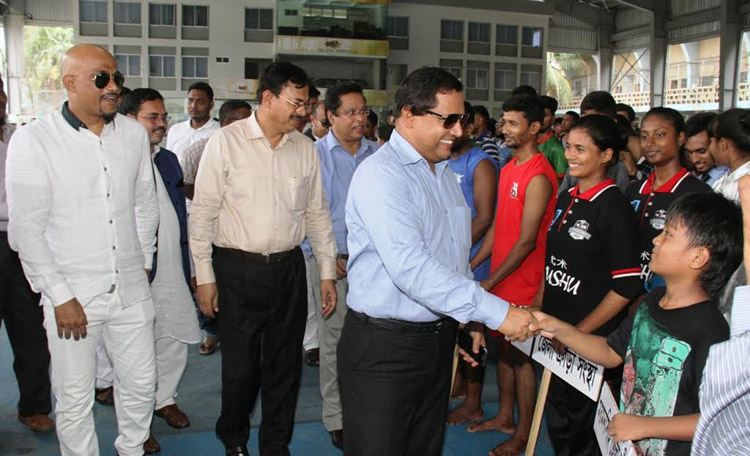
(352, 113)
(448, 121)
(102, 78)
(296, 104)
(154, 118)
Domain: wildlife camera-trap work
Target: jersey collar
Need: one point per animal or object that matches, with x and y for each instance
(544, 140)
(668, 187)
(593, 192)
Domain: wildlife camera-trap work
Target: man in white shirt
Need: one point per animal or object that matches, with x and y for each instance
(200, 124)
(83, 217)
(20, 311)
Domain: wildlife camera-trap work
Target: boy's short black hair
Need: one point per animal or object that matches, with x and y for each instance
(523, 89)
(419, 90)
(699, 123)
(573, 114)
(601, 102)
(334, 94)
(714, 222)
(481, 111)
(372, 118)
(549, 103)
(278, 74)
(313, 91)
(628, 109)
(529, 105)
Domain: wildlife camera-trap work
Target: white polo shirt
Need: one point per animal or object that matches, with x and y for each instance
(182, 135)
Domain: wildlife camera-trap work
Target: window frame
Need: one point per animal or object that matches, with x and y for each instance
(161, 65)
(194, 66)
(93, 3)
(127, 72)
(128, 9)
(453, 24)
(258, 17)
(162, 8)
(194, 15)
(479, 28)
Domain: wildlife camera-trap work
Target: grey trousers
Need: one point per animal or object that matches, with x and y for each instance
(329, 333)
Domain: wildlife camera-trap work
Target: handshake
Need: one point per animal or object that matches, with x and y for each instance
(519, 324)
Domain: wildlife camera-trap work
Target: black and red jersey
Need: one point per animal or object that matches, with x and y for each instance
(651, 204)
(592, 248)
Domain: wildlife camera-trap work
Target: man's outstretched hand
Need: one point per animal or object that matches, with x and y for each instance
(519, 324)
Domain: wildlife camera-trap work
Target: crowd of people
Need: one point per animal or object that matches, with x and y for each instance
(306, 231)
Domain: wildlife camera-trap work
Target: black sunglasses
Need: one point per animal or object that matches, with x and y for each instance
(450, 120)
(102, 78)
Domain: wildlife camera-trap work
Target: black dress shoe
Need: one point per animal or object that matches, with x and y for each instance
(312, 357)
(337, 437)
(238, 451)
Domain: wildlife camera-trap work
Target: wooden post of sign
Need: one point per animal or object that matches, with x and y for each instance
(536, 422)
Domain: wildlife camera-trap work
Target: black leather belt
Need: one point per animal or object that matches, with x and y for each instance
(258, 258)
(401, 325)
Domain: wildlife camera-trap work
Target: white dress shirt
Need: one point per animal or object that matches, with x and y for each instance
(83, 209)
(7, 133)
(181, 135)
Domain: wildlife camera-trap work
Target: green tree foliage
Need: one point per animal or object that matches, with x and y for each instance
(44, 48)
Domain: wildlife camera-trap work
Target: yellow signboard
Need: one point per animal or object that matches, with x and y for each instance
(376, 97)
(228, 88)
(339, 47)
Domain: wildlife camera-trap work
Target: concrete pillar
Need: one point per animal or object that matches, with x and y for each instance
(603, 59)
(13, 24)
(658, 51)
(729, 53)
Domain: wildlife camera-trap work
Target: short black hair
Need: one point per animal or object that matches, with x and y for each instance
(573, 114)
(372, 118)
(313, 91)
(334, 94)
(557, 121)
(469, 110)
(714, 222)
(698, 123)
(670, 115)
(230, 106)
(529, 105)
(204, 87)
(481, 111)
(276, 75)
(385, 131)
(734, 125)
(523, 89)
(132, 102)
(601, 102)
(603, 131)
(548, 103)
(628, 109)
(418, 91)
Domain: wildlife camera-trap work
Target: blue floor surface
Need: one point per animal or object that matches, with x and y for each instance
(199, 396)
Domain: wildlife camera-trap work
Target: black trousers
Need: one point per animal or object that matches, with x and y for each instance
(394, 388)
(262, 314)
(570, 420)
(23, 317)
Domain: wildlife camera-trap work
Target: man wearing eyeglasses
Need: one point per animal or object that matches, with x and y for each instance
(258, 193)
(409, 235)
(74, 178)
(200, 124)
(340, 151)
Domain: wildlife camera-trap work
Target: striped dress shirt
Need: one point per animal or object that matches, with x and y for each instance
(724, 426)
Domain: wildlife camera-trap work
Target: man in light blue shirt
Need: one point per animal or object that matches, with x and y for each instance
(341, 151)
(408, 241)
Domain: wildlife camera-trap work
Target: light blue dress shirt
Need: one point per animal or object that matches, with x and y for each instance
(724, 426)
(337, 167)
(409, 240)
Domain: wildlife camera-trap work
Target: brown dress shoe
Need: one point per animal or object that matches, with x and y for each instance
(37, 423)
(105, 396)
(209, 345)
(174, 416)
(337, 438)
(151, 446)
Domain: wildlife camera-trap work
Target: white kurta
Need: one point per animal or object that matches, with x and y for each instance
(175, 312)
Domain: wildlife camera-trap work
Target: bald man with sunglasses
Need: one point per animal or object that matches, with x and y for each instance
(83, 217)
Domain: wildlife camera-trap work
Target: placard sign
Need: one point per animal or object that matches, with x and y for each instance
(605, 410)
(577, 371)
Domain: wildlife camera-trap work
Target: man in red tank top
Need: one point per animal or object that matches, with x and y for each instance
(525, 208)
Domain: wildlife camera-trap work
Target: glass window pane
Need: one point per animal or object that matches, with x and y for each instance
(188, 67)
(134, 65)
(201, 67)
(201, 19)
(154, 65)
(169, 63)
(122, 63)
(87, 11)
(168, 15)
(154, 14)
(135, 13)
(266, 19)
(188, 13)
(101, 12)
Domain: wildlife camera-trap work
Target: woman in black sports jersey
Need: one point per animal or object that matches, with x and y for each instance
(591, 271)
(662, 140)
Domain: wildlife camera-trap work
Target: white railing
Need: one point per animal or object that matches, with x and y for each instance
(694, 95)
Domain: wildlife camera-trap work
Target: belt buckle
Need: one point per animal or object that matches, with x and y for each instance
(266, 258)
